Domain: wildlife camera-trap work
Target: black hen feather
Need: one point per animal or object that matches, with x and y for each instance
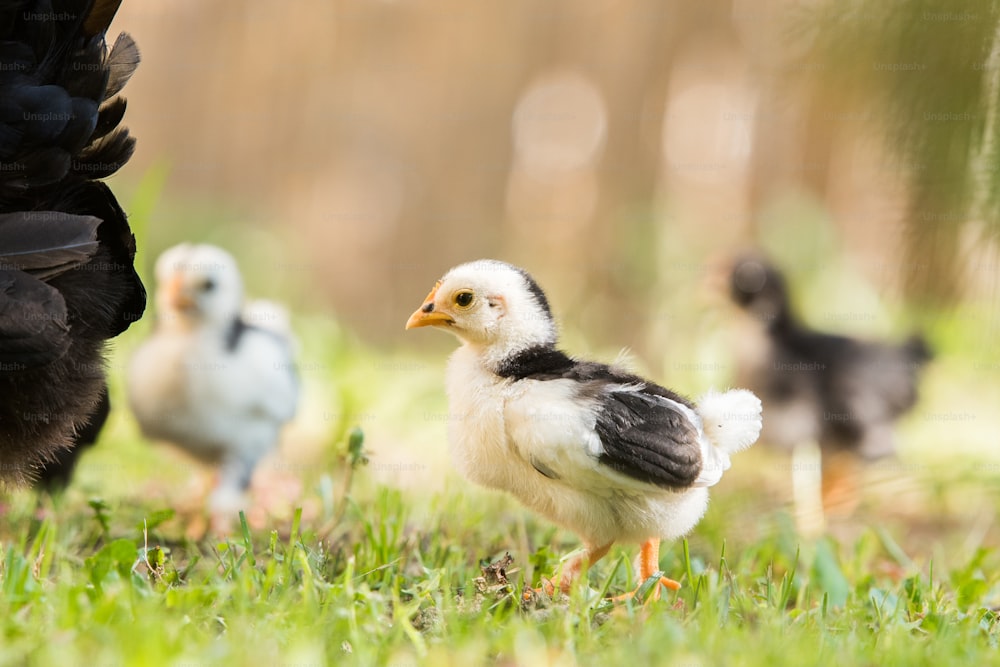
(67, 279)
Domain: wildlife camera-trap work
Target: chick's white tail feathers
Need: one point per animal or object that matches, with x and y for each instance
(731, 421)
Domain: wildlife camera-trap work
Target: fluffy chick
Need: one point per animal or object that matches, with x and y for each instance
(841, 393)
(215, 379)
(606, 454)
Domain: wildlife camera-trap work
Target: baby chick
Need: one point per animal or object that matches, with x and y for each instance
(212, 379)
(843, 393)
(605, 453)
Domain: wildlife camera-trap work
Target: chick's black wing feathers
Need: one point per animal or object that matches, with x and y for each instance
(648, 439)
(644, 432)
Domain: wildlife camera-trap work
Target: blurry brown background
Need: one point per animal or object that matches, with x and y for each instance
(354, 150)
(349, 152)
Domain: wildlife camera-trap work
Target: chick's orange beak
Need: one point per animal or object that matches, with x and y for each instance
(425, 315)
(176, 294)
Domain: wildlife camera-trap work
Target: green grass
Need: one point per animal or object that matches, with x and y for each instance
(395, 584)
(387, 576)
(382, 564)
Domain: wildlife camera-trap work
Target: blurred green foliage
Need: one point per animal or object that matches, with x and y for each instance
(928, 75)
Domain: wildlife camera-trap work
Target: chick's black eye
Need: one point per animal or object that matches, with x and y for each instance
(207, 285)
(463, 299)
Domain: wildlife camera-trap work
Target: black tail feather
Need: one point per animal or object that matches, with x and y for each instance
(46, 243)
(58, 107)
(121, 64)
(109, 116)
(106, 156)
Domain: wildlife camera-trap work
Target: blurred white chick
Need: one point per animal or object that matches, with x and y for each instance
(215, 378)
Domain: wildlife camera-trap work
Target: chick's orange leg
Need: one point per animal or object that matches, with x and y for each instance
(570, 572)
(649, 564)
(841, 473)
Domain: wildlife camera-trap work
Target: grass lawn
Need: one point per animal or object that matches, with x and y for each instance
(384, 565)
(399, 583)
